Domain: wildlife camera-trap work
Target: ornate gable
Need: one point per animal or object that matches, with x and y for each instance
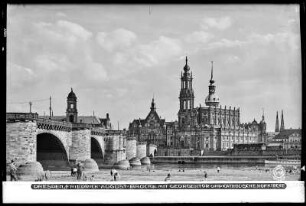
(152, 118)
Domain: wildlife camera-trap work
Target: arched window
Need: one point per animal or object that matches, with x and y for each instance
(71, 118)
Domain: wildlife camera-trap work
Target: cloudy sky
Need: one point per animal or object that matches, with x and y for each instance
(115, 57)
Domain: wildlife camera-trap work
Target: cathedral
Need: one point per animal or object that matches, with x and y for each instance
(205, 128)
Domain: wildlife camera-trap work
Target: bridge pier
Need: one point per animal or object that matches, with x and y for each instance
(21, 142)
(80, 145)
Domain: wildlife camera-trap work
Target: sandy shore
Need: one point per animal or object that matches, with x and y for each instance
(142, 174)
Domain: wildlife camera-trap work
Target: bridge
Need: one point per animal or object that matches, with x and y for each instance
(58, 144)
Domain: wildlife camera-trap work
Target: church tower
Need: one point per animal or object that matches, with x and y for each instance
(212, 100)
(277, 123)
(186, 97)
(282, 127)
(71, 111)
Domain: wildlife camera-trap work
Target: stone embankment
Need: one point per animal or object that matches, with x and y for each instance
(212, 159)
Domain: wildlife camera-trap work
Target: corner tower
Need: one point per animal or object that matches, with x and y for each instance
(71, 111)
(212, 100)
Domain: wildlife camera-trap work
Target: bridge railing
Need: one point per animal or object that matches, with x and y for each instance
(49, 124)
(81, 126)
(97, 131)
(114, 132)
(53, 122)
(21, 116)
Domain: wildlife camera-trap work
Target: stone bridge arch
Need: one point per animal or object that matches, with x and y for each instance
(52, 150)
(97, 150)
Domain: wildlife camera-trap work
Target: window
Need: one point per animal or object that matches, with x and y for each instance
(71, 118)
(71, 106)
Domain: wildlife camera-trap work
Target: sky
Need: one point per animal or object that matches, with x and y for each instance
(116, 57)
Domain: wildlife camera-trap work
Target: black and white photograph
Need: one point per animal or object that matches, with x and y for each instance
(166, 95)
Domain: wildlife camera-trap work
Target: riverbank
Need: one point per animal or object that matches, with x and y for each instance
(143, 174)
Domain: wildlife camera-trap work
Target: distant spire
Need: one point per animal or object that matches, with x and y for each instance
(212, 69)
(282, 127)
(277, 123)
(212, 73)
(30, 107)
(50, 108)
(71, 89)
(152, 105)
(186, 60)
(263, 114)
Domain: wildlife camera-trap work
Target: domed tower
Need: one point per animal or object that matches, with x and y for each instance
(186, 97)
(212, 100)
(71, 111)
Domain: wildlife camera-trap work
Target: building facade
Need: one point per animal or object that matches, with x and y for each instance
(211, 127)
(199, 129)
(289, 138)
(150, 130)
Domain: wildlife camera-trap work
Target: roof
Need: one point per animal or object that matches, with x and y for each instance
(284, 134)
(89, 119)
(103, 120)
(138, 121)
(142, 122)
(71, 95)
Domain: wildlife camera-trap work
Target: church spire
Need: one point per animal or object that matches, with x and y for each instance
(186, 67)
(282, 127)
(212, 99)
(153, 108)
(277, 123)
